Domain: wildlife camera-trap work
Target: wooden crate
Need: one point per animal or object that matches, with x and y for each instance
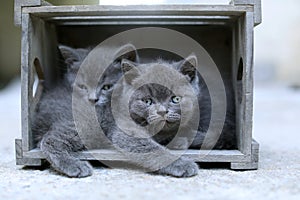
(44, 26)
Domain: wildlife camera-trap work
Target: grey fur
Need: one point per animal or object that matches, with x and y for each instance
(53, 124)
(162, 108)
(73, 58)
(57, 135)
(141, 150)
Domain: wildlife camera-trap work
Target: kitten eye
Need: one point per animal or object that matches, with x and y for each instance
(106, 87)
(148, 102)
(82, 86)
(176, 99)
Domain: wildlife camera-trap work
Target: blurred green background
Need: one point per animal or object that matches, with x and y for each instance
(10, 38)
(10, 43)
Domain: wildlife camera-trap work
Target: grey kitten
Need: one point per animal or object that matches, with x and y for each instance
(133, 141)
(53, 124)
(154, 105)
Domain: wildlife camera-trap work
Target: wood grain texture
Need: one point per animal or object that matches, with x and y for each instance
(257, 8)
(19, 4)
(196, 155)
(131, 10)
(247, 104)
(243, 2)
(27, 161)
(249, 165)
(257, 12)
(26, 90)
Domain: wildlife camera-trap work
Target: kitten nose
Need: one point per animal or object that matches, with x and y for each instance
(161, 111)
(93, 98)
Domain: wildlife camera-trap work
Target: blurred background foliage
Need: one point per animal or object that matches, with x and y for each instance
(10, 43)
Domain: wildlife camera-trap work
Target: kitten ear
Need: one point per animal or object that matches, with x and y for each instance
(188, 66)
(128, 52)
(130, 70)
(69, 54)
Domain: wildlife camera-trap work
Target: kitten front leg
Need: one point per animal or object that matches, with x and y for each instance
(198, 140)
(57, 147)
(151, 156)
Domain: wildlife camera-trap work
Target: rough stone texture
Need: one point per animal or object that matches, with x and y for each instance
(276, 128)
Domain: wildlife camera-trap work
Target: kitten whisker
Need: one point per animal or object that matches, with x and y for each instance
(154, 118)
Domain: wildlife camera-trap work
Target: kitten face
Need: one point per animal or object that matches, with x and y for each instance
(81, 84)
(154, 103)
(107, 83)
(84, 84)
(113, 73)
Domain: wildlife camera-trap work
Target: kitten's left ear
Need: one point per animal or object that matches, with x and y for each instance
(188, 66)
(128, 52)
(69, 54)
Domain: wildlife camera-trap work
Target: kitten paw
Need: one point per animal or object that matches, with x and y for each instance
(81, 169)
(180, 168)
(76, 169)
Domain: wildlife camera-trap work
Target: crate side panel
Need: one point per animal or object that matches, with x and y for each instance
(26, 90)
(247, 104)
(243, 79)
(40, 54)
(44, 45)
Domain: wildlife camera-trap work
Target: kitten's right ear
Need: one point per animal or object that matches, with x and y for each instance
(69, 54)
(129, 70)
(188, 67)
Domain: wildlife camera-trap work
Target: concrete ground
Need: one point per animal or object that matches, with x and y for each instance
(276, 128)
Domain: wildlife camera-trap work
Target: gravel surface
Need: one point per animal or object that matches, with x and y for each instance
(276, 128)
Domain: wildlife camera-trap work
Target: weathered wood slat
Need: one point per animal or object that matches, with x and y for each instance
(238, 161)
(245, 2)
(247, 100)
(257, 8)
(257, 12)
(18, 9)
(26, 90)
(19, 4)
(197, 155)
(28, 161)
(142, 20)
(84, 10)
(249, 165)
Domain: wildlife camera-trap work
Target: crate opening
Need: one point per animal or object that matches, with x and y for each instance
(240, 70)
(38, 76)
(216, 38)
(239, 77)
